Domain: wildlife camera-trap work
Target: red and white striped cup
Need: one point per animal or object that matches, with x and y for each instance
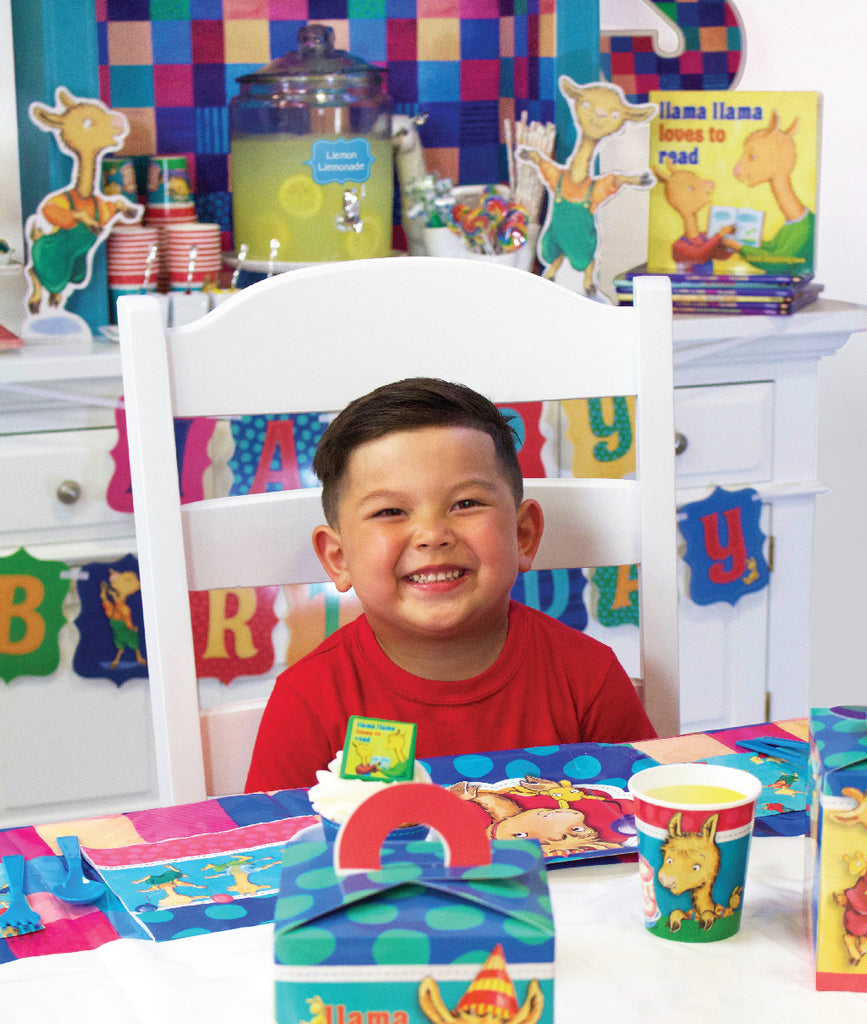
(194, 255)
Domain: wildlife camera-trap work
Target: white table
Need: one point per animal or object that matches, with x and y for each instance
(608, 969)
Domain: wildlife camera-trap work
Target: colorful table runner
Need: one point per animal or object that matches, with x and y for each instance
(217, 827)
(155, 860)
(777, 752)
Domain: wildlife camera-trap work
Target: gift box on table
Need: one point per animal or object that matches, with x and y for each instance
(414, 932)
(838, 835)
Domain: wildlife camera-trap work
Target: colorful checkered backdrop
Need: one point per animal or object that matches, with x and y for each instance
(711, 57)
(172, 67)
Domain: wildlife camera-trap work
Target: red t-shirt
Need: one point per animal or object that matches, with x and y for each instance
(551, 684)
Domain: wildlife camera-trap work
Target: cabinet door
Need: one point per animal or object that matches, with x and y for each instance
(727, 438)
(728, 435)
(71, 746)
(723, 657)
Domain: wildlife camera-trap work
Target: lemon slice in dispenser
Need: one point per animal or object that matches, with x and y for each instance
(367, 242)
(300, 196)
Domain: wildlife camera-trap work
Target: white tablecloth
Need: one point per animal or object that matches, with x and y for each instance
(608, 969)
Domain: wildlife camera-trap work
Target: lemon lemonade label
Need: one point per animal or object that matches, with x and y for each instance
(341, 160)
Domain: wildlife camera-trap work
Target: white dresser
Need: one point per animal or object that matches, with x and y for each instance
(745, 410)
(70, 745)
(746, 405)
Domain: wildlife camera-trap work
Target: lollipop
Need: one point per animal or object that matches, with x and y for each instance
(512, 229)
(494, 226)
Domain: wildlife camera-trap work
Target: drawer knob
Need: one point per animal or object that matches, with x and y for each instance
(69, 492)
(680, 443)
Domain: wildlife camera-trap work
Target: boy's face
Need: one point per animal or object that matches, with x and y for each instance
(429, 535)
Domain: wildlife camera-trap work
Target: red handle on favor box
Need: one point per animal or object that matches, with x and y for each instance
(456, 822)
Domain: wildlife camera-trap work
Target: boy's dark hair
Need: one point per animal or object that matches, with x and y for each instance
(410, 405)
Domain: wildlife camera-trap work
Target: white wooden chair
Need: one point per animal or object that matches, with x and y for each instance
(312, 340)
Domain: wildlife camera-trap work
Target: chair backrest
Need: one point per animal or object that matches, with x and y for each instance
(312, 340)
(228, 735)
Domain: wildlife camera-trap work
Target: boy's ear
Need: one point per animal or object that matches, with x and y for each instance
(531, 523)
(329, 551)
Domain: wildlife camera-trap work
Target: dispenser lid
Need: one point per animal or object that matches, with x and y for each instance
(315, 58)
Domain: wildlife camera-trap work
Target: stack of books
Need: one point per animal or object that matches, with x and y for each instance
(758, 294)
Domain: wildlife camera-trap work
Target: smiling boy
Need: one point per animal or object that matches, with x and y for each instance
(426, 520)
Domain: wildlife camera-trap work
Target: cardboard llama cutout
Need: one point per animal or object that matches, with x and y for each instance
(575, 192)
(68, 225)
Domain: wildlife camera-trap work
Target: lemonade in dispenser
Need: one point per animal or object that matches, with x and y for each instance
(311, 157)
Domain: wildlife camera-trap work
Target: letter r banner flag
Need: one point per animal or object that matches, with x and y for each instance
(232, 631)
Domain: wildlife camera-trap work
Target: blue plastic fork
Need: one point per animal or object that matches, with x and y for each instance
(77, 888)
(19, 918)
(797, 752)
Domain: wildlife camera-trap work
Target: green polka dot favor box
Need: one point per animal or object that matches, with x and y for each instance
(838, 840)
(370, 929)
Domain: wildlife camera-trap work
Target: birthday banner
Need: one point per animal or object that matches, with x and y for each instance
(724, 546)
(32, 592)
(233, 630)
(191, 443)
(110, 623)
(275, 452)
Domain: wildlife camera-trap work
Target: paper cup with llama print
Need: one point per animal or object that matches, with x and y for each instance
(694, 824)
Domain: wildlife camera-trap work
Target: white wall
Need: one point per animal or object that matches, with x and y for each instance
(793, 44)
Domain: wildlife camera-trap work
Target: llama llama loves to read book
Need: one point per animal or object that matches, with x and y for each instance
(737, 183)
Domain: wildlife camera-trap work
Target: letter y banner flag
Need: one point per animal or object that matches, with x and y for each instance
(724, 546)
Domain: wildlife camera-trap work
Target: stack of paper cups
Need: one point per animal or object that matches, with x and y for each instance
(169, 200)
(169, 193)
(129, 269)
(194, 255)
(118, 177)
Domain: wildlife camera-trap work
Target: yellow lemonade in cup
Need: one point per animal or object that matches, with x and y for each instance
(275, 196)
(694, 794)
(694, 823)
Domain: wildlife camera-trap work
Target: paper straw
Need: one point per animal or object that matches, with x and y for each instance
(529, 190)
(272, 256)
(149, 262)
(510, 154)
(242, 255)
(191, 267)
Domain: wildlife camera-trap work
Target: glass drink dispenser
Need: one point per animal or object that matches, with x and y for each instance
(311, 157)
